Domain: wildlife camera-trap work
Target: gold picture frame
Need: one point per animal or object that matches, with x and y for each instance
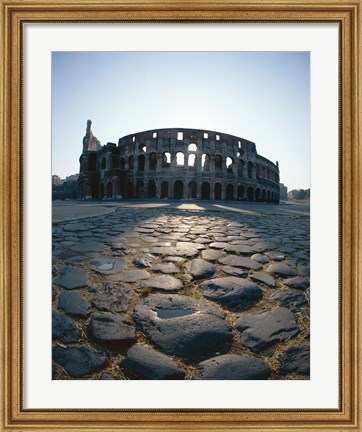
(14, 13)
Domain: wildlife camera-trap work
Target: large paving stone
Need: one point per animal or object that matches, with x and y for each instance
(110, 297)
(131, 276)
(72, 278)
(92, 246)
(115, 331)
(73, 303)
(78, 361)
(107, 265)
(297, 282)
(167, 268)
(63, 328)
(183, 326)
(143, 362)
(242, 249)
(234, 293)
(164, 283)
(264, 278)
(289, 298)
(295, 360)
(238, 261)
(191, 250)
(212, 254)
(262, 259)
(78, 227)
(234, 271)
(201, 269)
(262, 330)
(281, 269)
(233, 367)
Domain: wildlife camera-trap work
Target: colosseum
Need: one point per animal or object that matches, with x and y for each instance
(176, 163)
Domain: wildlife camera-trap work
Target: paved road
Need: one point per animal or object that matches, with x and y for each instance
(70, 210)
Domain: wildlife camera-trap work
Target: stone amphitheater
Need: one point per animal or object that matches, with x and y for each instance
(176, 163)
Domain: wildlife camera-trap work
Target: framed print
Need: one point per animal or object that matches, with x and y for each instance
(170, 283)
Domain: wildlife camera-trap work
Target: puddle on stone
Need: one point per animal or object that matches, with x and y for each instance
(173, 313)
(106, 266)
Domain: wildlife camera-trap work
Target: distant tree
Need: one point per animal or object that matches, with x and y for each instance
(300, 194)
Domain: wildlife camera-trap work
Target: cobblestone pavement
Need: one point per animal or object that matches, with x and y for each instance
(155, 293)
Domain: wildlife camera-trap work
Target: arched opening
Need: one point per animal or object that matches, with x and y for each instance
(217, 191)
(153, 161)
(257, 170)
(240, 192)
(229, 165)
(273, 196)
(218, 162)
(205, 162)
(164, 189)
(103, 163)
(268, 196)
(229, 192)
(205, 191)
(94, 184)
(240, 167)
(192, 147)
(131, 162)
(180, 159)
(109, 190)
(192, 161)
(151, 189)
(178, 189)
(130, 189)
(250, 169)
(139, 189)
(141, 163)
(142, 148)
(250, 193)
(92, 162)
(102, 190)
(263, 195)
(257, 194)
(166, 160)
(122, 163)
(191, 192)
(122, 184)
(115, 162)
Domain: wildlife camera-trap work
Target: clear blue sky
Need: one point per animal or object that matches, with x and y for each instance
(263, 97)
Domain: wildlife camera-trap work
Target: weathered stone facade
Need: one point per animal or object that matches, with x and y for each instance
(176, 163)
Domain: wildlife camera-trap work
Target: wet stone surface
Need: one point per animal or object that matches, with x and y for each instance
(155, 293)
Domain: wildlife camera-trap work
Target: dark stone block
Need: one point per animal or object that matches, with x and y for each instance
(78, 361)
(63, 328)
(143, 362)
(295, 360)
(233, 367)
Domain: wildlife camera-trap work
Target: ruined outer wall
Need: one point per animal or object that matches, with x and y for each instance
(179, 163)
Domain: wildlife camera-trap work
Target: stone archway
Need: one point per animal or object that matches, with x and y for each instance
(164, 189)
(250, 193)
(205, 191)
(151, 193)
(240, 192)
(217, 191)
(178, 189)
(130, 189)
(191, 192)
(229, 192)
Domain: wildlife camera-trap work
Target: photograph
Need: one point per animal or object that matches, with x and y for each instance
(181, 215)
